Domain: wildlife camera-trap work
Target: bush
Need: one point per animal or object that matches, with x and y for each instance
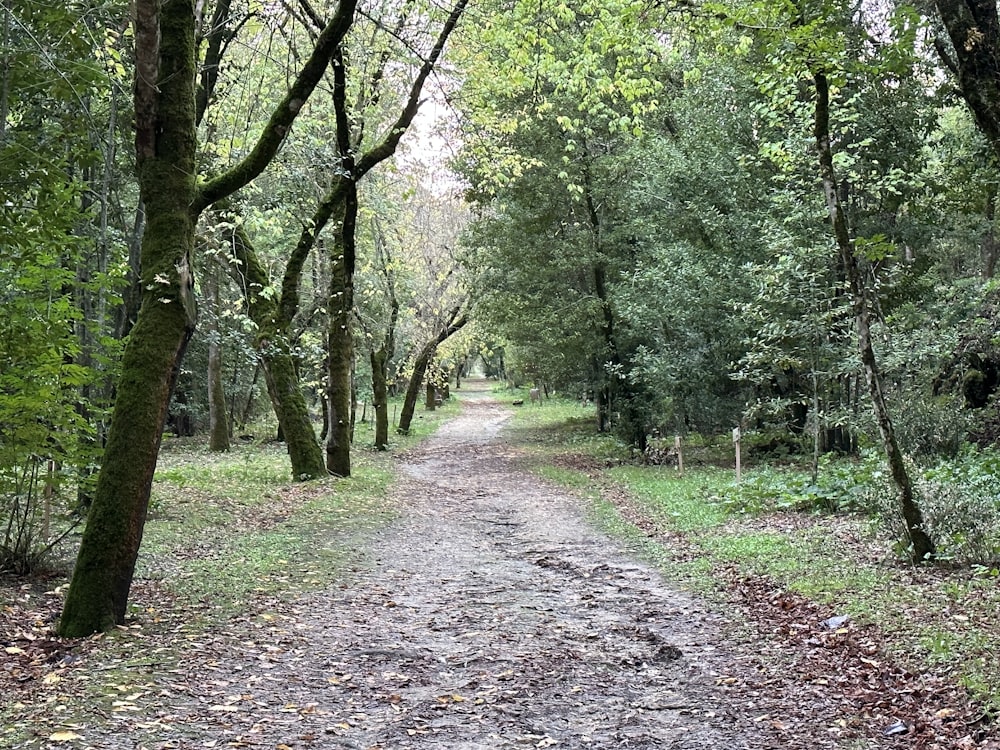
(936, 426)
(839, 487)
(960, 500)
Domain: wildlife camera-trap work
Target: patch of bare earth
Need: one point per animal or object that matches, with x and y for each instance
(490, 615)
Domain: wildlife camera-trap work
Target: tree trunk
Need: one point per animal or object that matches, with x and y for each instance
(974, 31)
(165, 148)
(430, 396)
(341, 338)
(218, 419)
(989, 247)
(272, 343)
(413, 389)
(423, 359)
(922, 547)
(380, 397)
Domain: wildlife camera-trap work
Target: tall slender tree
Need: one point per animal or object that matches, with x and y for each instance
(165, 146)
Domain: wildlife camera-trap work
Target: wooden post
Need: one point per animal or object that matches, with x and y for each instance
(680, 454)
(736, 442)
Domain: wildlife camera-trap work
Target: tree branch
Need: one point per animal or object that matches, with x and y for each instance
(284, 115)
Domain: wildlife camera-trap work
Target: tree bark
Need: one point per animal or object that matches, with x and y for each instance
(273, 343)
(341, 339)
(922, 547)
(218, 418)
(165, 149)
(974, 30)
(380, 397)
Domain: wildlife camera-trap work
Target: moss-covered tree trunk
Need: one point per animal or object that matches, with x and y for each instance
(921, 545)
(413, 387)
(218, 417)
(380, 397)
(165, 148)
(273, 345)
(453, 324)
(341, 338)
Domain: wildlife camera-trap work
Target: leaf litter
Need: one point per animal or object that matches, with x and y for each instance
(488, 614)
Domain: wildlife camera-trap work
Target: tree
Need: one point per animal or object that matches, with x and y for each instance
(921, 543)
(165, 146)
(340, 204)
(380, 332)
(218, 437)
(452, 322)
(57, 277)
(973, 27)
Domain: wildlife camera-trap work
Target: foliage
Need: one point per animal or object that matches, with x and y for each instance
(839, 486)
(961, 501)
(52, 357)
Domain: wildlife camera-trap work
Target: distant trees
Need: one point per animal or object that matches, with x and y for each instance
(740, 224)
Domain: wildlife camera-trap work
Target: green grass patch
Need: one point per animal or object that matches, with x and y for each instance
(230, 528)
(688, 502)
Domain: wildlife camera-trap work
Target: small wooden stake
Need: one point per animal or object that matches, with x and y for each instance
(736, 442)
(680, 454)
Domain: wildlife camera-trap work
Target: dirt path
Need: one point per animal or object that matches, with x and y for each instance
(490, 616)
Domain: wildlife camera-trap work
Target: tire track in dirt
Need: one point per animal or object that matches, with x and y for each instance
(494, 617)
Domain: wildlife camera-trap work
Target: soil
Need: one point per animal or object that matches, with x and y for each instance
(490, 614)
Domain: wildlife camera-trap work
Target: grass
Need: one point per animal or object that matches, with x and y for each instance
(934, 618)
(230, 528)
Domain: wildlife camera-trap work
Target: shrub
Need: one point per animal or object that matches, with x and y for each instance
(960, 500)
(839, 486)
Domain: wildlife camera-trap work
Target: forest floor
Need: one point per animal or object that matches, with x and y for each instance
(487, 613)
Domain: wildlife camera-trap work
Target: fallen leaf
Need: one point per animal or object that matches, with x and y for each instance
(64, 736)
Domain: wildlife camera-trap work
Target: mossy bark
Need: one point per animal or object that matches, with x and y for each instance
(420, 364)
(218, 419)
(165, 146)
(380, 397)
(341, 338)
(165, 117)
(290, 407)
(272, 342)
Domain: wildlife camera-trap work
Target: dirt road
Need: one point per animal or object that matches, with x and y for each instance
(492, 616)
(488, 615)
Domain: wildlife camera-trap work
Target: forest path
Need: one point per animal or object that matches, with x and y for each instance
(487, 615)
(491, 616)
